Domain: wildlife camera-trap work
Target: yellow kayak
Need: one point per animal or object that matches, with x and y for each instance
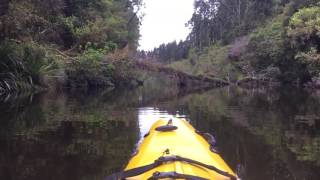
(173, 149)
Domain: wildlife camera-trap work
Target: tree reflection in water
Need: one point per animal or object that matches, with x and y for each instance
(273, 134)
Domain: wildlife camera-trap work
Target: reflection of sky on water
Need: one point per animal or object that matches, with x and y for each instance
(148, 115)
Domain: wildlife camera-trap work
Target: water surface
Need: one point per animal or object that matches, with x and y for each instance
(270, 134)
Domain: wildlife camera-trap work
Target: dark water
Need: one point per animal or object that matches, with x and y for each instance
(272, 134)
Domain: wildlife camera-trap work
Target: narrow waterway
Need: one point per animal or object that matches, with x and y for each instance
(270, 134)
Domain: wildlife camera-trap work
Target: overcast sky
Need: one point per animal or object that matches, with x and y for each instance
(164, 22)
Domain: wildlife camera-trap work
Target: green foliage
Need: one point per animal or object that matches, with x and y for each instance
(125, 73)
(211, 62)
(24, 63)
(167, 53)
(37, 61)
(90, 70)
(267, 45)
(270, 48)
(215, 20)
(91, 55)
(93, 69)
(274, 51)
(304, 26)
(312, 60)
(304, 34)
(97, 31)
(83, 31)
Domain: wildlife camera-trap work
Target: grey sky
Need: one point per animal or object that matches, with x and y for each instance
(164, 22)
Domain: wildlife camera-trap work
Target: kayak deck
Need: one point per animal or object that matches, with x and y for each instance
(184, 142)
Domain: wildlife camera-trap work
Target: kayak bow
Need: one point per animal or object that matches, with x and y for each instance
(175, 150)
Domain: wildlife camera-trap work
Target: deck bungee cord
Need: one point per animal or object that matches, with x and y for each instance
(173, 149)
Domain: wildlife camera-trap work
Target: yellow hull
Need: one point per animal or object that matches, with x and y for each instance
(184, 142)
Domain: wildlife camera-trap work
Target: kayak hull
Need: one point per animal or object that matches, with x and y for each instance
(184, 142)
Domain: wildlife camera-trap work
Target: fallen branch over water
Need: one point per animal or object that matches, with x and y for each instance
(184, 79)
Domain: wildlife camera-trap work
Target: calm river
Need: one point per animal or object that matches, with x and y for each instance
(271, 134)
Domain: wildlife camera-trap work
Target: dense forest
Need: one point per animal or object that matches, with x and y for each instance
(45, 42)
(77, 43)
(270, 40)
(167, 53)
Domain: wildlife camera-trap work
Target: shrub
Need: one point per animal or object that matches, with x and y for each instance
(304, 34)
(304, 28)
(25, 62)
(267, 45)
(90, 70)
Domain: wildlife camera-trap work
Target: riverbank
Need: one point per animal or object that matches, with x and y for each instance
(281, 48)
(34, 67)
(68, 46)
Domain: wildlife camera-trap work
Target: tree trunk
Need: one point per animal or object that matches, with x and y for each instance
(4, 5)
(68, 7)
(239, 11)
